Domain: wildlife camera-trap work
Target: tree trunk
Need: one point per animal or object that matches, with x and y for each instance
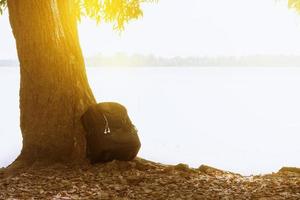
(54, 91)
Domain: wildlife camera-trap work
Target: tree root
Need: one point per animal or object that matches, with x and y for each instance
(22, 165)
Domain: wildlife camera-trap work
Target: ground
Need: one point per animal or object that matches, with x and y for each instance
(142, 179)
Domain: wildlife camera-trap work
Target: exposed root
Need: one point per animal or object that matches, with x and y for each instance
(17, 167)
(22, 165)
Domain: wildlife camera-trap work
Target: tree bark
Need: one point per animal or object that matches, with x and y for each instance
(54, 90)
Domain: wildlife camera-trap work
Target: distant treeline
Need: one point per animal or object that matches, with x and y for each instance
(150, 60)
(121, 59)
(9, 63)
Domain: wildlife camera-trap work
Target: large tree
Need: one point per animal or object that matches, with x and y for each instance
(54, 90)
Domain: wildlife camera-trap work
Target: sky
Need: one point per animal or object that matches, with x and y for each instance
(191, 28)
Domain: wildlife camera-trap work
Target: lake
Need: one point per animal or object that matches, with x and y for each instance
(241, 119)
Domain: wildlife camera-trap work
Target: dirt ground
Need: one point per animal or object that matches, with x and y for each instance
(142, 179)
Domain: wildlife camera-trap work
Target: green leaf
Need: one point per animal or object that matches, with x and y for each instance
(116, 12)
(2, 6)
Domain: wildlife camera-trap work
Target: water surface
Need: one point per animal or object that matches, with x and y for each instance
(243, 119)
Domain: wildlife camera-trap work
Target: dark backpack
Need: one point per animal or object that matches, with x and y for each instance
(110, 133)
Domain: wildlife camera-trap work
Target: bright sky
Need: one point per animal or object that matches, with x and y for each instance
(191, 28)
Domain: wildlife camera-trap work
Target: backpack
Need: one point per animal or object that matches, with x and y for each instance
(110, 133)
